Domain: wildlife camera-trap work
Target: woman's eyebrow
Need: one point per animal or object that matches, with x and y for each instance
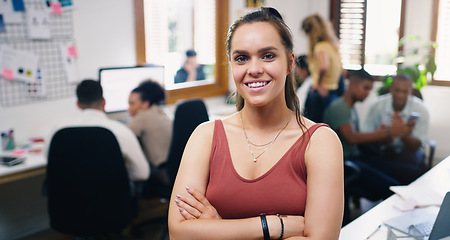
(259, 51)
(240, 52)
(267, 49)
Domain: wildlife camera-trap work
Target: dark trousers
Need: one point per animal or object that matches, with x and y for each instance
(372, 183)
(405, 166)
(316, 104)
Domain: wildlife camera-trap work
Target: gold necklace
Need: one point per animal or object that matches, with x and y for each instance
(261, 145)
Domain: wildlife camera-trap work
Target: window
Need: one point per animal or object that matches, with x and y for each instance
(360, 30)
(441, 34)
(162, 38)
(356, 24)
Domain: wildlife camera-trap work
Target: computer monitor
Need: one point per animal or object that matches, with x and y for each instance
(118, 82)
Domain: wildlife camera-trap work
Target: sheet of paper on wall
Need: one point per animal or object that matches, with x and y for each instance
(36, 89)
(23, 64)
(38, 24)
(69, 61)
(9, 15)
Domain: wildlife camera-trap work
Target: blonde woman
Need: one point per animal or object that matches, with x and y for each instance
(324, 63)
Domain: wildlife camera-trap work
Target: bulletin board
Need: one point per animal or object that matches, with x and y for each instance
(54, 79)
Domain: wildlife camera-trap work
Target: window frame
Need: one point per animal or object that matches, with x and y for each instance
(220, 87)
(335, 19)
(434, 26)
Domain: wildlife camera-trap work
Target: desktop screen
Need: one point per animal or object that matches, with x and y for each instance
(118, 82)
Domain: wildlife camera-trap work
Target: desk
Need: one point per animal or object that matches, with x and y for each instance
(438, 177)
(23, 209)
(33, 165)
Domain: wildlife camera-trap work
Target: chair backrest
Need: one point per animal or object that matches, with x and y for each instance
(88, 184)
(188, 115)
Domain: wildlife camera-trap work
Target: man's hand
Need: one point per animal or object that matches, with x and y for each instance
(399, 127)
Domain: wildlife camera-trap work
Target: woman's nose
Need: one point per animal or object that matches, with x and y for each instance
(255, 69)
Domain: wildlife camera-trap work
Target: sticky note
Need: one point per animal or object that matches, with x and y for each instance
(57, 8)
(8, 74)
(72, 51)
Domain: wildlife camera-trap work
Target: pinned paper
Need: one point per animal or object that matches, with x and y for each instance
(38, 23)
(72, 51)
(57, 8)
(8, 74)
(23, 64)
(69, 62)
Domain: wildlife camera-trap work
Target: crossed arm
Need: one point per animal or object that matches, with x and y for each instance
(192, 217)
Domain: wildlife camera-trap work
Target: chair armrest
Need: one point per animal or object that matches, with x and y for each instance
(431, 149)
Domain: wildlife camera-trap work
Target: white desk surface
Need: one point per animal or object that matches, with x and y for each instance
(34, 164)
(438, 178)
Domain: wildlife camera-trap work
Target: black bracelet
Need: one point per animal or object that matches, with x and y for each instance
(265, 227)
(282, 226)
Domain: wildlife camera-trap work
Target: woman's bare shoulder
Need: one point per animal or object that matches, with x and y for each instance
(322, 134)
(204, 129)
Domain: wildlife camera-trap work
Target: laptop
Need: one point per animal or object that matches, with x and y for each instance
(425, 221)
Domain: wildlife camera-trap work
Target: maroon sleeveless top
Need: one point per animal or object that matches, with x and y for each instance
(281, 190)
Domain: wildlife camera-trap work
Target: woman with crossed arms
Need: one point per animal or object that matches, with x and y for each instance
(265, 172)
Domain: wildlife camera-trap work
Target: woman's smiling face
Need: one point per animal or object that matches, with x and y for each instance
(259, 63)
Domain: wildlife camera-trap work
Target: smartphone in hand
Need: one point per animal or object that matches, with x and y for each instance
(413, 117)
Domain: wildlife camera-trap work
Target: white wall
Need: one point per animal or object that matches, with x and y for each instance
(104, 35)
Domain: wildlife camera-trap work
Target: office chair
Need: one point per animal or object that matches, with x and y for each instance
(88, 188)
(188, 115)
(431, 149)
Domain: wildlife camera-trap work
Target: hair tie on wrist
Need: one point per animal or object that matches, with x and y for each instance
(282, 226)
(265, 227)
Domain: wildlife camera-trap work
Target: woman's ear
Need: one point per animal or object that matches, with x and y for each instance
(146, 104)
(291, 62)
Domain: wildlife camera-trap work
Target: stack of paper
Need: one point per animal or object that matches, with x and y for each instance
(417, 196)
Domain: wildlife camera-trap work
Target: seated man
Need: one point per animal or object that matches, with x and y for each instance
(403, 156)
(342, 117)
(92, 103)
(191, 70)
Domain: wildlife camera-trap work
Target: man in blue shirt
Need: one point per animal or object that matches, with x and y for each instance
(191, 70)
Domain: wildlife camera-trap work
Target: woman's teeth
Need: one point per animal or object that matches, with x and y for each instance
(257, 84)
